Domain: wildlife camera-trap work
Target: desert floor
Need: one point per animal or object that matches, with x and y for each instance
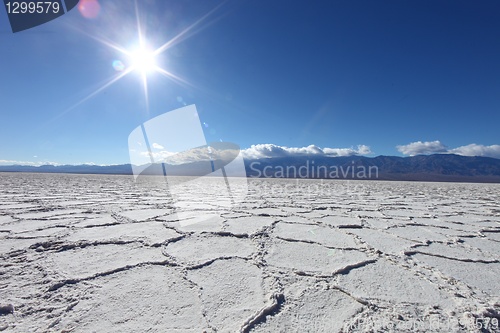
(84, 253)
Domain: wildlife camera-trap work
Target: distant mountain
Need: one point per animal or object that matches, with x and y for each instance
(122, 169)
(438, 167)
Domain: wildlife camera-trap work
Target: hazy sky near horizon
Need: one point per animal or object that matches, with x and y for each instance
(351, 77)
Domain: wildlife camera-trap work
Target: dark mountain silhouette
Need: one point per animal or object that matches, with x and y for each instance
(438, 167)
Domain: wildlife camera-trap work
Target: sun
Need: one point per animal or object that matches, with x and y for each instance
(143, 60)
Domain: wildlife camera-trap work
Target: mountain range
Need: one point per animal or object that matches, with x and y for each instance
(437, 167)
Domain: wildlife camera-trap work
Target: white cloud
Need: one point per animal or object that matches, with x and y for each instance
(192, 155)
(433, 147)
(254, 152)
(40, 163)
(419, 147)
(157, 156)
(157, 146)
(27, 163)
(362, 150)
(270, 150)
(203, 153)
(478, 150)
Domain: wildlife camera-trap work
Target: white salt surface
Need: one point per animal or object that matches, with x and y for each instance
(98, 254)
(150, 233)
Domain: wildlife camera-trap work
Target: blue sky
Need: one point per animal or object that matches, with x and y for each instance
(399, 77)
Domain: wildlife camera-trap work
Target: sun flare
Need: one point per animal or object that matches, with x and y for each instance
(142, 59)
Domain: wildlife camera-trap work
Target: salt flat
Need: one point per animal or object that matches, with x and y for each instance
(94, 253)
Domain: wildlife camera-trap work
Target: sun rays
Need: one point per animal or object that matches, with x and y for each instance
(143, 60)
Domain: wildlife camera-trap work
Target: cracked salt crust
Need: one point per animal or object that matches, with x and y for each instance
(96, 253)
(326, 236)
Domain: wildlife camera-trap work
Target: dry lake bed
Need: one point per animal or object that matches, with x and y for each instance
(94, 253)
